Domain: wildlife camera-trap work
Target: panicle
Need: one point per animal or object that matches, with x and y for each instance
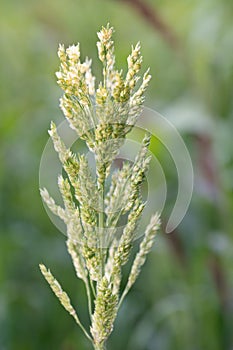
(102, 115)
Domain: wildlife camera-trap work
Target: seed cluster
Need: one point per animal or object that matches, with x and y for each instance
(102, 116)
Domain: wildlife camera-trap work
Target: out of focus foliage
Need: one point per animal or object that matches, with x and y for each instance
(184, 297)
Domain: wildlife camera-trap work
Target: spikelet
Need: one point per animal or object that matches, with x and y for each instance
(105, 47)
(58, 291)
(116, 197)
(56, 209)
(93, 259)
(78, 260)
(78, 83)
(105, 312)
(65, 190)
(137, 100)
(125, 185)
(144, 249)
(134, 65)
(67, 158)
(138, 172)
(123, 250)
(87, 192)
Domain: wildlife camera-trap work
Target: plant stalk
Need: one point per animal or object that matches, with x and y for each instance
(101, 186)
(100, 346)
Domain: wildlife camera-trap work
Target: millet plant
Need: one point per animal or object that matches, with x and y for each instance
(95, 204)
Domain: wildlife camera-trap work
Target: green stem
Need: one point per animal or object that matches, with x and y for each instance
(101, 187)
(88, 297)
(93, 288)
(101, 212)
(101, 224)
(122, 298)
(82, 327)
(100, 346)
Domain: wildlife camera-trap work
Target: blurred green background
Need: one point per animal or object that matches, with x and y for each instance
(183, 299)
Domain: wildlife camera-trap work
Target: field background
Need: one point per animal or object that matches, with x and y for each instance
(183, 299)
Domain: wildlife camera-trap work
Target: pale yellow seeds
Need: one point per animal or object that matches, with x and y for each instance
(105, 312)
(93, 261)
(105, 34)
(101, 95)
(105, 45)
(144, 249)
(60, 294)
(65, 190)
(73, 53)
(56, 209)
(78, 261)
(134, 65)
(123, 250)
